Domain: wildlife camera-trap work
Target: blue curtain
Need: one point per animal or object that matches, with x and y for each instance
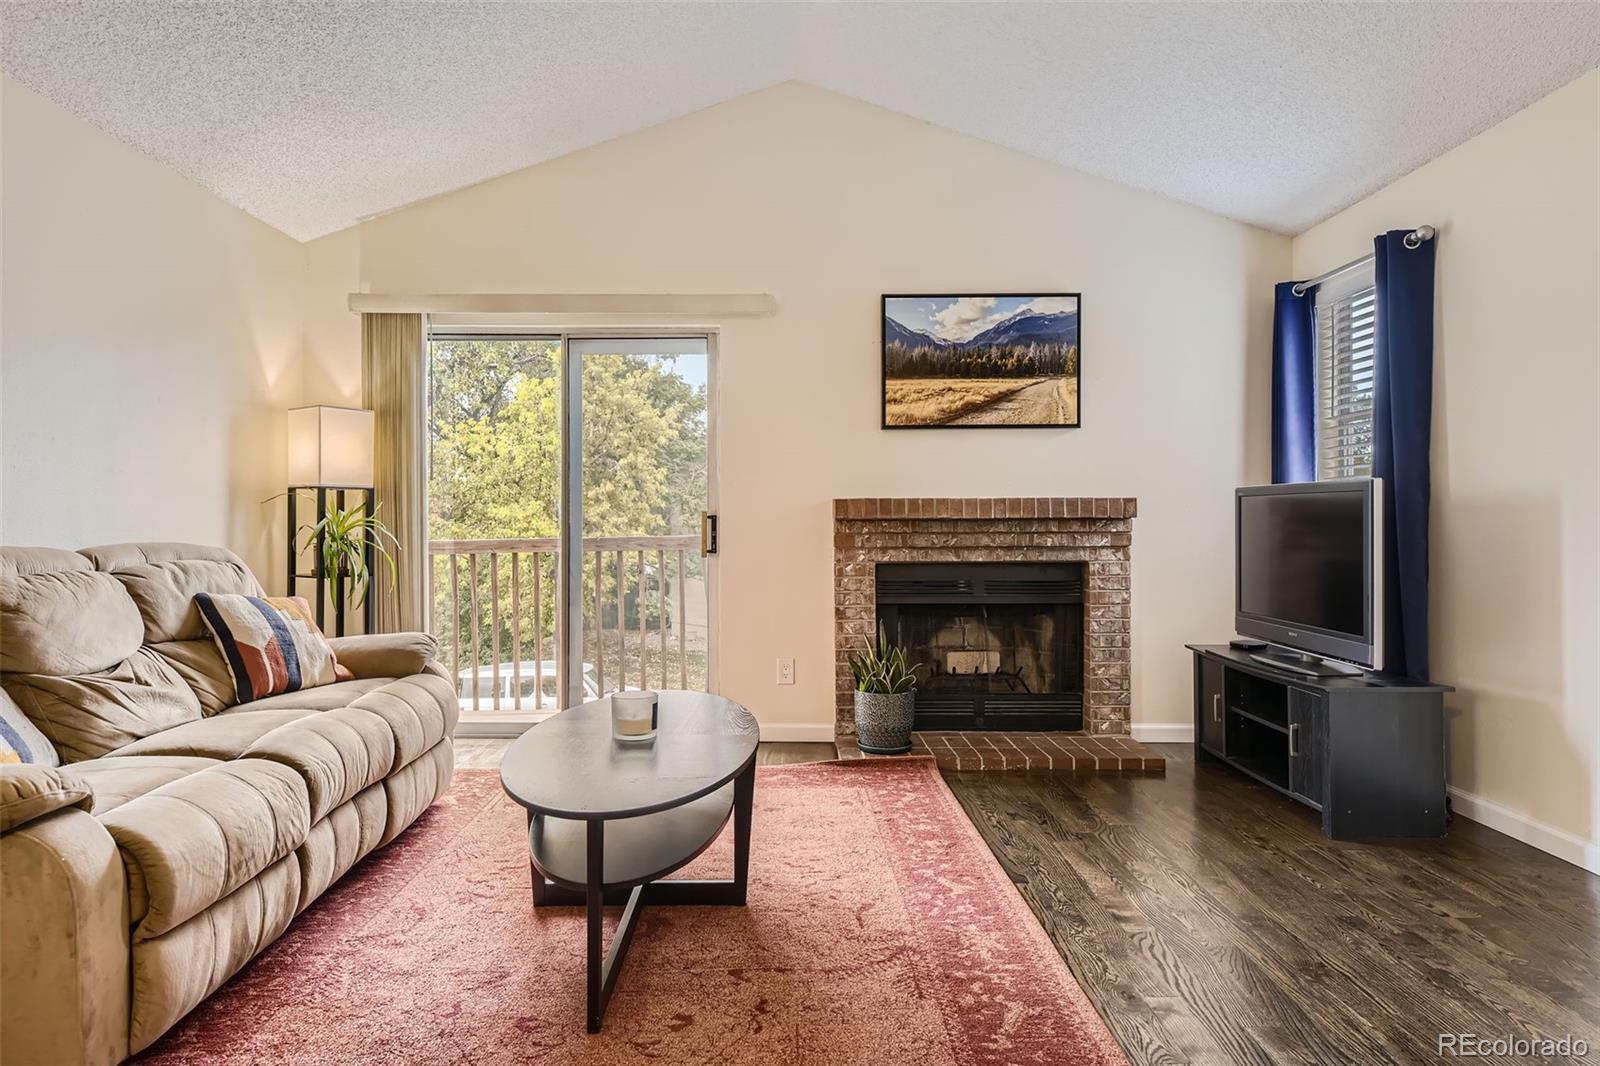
(1294, 387)
(1402, 422)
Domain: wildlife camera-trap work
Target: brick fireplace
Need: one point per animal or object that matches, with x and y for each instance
(1093, 531)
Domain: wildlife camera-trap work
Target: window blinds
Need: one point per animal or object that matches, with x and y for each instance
(1346, 339)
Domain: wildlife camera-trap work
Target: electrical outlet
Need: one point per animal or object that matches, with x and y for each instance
(785, 671)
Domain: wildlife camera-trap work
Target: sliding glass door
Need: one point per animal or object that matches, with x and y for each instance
(568, 479)
(643, 481)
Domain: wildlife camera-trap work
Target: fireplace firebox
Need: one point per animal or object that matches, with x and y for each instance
(997, 645)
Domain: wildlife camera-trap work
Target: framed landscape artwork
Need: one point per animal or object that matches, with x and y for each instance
(969, 362)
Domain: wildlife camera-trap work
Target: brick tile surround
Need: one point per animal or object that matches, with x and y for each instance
(1096, 531)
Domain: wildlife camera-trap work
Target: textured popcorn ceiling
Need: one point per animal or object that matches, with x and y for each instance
(313, 115)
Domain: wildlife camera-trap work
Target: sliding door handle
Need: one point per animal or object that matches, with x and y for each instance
(1216, 706)
(708, 534)
(1294, 740)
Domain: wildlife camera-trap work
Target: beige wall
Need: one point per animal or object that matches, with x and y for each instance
(150, 340)
(333, 333)
(826, 203)
(1515, 601)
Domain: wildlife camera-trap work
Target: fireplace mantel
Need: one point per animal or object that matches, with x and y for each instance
(1096, 531)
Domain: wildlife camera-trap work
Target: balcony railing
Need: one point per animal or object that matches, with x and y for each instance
(495, 604)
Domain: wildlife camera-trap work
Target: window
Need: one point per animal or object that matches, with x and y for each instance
(1347, 311)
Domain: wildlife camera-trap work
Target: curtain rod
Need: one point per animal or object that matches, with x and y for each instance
(712, 305)
(1413, 239)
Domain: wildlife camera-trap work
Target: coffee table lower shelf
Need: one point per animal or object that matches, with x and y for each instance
(638, 849)
(602, 862)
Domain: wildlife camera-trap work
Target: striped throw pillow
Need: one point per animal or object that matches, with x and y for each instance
(20, 739)
(269, 649)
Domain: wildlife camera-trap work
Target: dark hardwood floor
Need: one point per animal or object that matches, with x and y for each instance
(1210, 922)
(770, 754)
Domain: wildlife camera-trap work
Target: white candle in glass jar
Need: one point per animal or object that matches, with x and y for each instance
(633, 715)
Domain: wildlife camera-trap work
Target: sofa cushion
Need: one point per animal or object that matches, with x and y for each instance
(174, 972)
(16, 562)
(349, 833)
(225, 736)
(64, 621)
(386, 654)
(162, 578)
(114, 780)
(421, 710)
(129, 554)
(200, 665)
(189, 843)
(321, 698)
(87, 715)
(31, 792)
(337, 753)
(411, 789)
(70, 654)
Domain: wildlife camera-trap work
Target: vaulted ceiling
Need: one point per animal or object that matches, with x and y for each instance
(312, 115)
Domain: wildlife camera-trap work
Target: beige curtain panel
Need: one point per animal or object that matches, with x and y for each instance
(393, 386)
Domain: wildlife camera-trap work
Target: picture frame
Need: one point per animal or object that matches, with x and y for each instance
(1008, 360)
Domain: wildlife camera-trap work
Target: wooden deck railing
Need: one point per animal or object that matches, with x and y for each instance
(496, 600)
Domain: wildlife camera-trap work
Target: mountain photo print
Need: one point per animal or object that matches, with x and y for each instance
(965, 362)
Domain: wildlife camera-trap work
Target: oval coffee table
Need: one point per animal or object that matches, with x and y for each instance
(607, 819)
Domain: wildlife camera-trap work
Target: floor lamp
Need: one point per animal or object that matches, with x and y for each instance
(330, 450)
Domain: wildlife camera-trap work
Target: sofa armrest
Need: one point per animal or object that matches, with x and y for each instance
(64, 942)
(385, 654)
(28, 792)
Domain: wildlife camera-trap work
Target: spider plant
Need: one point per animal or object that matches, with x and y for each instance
(882, 668)
(342, 537)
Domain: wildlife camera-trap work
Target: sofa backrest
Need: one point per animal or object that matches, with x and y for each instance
(162, 580)
(104, 647)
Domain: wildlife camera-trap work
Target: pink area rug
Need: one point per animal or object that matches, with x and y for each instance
(879, 930)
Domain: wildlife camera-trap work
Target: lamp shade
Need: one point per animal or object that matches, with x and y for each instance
(330, 447)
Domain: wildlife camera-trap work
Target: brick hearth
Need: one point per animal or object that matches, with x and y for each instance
(1059, 753)
(1096, 531)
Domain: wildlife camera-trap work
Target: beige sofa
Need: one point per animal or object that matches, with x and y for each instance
(181, 835)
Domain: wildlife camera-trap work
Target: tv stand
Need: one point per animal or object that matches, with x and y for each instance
(1301, 663)
(1367, 752)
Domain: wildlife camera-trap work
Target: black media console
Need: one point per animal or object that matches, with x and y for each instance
(1367, 752)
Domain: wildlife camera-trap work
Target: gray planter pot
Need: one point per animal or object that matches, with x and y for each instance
(883, 722)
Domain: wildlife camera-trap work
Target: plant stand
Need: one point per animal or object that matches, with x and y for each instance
(317, 574)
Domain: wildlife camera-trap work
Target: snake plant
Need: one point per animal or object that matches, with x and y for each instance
(882, 668)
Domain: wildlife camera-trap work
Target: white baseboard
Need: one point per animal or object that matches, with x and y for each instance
(1163, 732)
(1558, 842)
(796, 732)
(492, 729)
(1547, 838)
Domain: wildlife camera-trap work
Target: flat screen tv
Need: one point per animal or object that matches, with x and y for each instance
(1308, 560)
